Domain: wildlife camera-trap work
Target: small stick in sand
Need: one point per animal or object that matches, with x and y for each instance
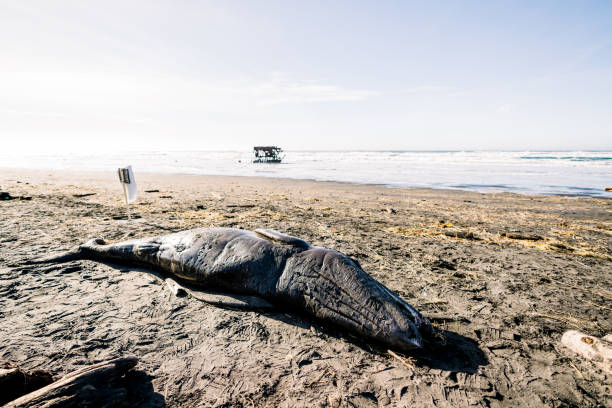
(316, 380)
(577, 370)
(567, 319)
(594, 304)
(407, 362)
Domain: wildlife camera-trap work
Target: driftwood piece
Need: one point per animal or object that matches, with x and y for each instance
(15, 382)
(599, 351)
(81, 387)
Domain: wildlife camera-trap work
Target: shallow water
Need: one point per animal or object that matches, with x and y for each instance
(570, 173)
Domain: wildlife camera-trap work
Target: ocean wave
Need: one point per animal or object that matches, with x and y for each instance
(570, 158)
(571, 173)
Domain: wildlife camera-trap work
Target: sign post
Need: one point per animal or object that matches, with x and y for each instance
(126, 177)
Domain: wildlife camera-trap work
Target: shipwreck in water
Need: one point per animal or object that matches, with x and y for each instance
(267, 154)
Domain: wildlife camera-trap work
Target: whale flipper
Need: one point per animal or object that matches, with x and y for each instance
(279, 237)
(232, 301)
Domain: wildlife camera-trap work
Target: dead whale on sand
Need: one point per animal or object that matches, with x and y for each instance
(279, 268)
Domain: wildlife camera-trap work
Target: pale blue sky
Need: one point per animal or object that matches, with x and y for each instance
(188, 75)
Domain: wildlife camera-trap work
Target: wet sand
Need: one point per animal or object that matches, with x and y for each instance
(503, 276)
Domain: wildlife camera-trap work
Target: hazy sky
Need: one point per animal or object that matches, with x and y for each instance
(216, 75)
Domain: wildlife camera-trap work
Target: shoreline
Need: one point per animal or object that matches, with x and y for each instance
(311, 180)
(503, 275)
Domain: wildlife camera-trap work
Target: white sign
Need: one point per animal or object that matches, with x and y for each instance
(126, 176)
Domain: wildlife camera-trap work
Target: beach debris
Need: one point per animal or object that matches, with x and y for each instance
(151, 191)
(521, 236)
(598, 351)
(573, 321)
(559, 245)
(83, 195)
(319, 377)
(461, 234)
(15, 382)
(124, 217)
(89, 386)
(407, 362)
(7, 196)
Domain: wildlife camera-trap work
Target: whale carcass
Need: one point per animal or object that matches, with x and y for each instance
(279, 268)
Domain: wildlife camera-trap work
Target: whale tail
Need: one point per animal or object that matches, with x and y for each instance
(74, 254)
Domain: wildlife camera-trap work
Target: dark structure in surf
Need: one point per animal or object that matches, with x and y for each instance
(267, 154)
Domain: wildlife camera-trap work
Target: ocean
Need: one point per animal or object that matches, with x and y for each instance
(575, 173)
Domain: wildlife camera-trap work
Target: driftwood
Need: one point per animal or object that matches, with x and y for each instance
(15, 382)
(598, 351)
(90, 386)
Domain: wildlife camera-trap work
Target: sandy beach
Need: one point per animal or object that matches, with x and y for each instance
(503, 276)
